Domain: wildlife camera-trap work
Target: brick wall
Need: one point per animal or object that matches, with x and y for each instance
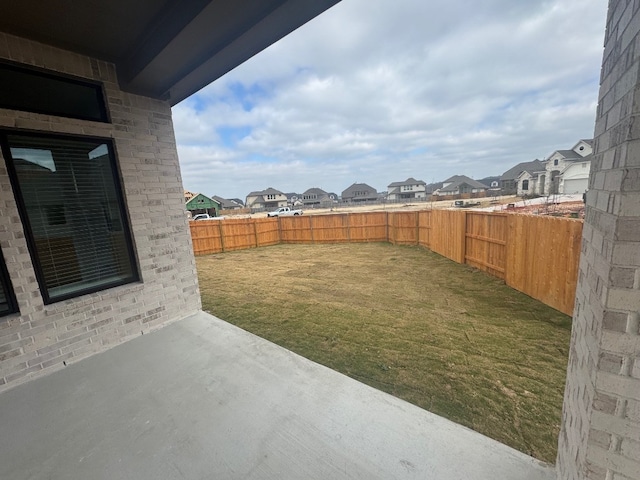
(600, 436)
(42, 338)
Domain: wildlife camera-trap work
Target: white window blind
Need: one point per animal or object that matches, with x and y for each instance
(71, 202)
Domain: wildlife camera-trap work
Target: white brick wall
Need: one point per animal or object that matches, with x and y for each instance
(42, 337)
(600, 436)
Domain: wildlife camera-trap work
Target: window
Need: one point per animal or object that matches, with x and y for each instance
(555, 162)
(71, 205)
(525, 185)
(8, 302)
(38, 91)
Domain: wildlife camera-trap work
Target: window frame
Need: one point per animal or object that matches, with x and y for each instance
(105, 115)
(24, 217)
(10, 294)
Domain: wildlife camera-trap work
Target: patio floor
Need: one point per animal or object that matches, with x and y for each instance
(202, 399)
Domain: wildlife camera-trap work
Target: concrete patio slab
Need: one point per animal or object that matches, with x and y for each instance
(202, 399)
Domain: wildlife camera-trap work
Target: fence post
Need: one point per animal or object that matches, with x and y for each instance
(348, 215)
(387, 223)
(255, 231)
(311, 229)
(417, 228)
(463, 247)
(279, 229)
(221, 234)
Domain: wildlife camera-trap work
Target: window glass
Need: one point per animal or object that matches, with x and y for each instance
(71, 205)
(41, 92)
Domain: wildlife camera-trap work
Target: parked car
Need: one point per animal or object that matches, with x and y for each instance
(283, 212)
(206, 216)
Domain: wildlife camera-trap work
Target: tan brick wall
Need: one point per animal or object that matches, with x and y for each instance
(42, 337)
(600, 436)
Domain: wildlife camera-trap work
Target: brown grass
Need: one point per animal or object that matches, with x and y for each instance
(440, 335)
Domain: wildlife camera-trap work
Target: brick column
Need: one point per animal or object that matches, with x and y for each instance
(600, 436)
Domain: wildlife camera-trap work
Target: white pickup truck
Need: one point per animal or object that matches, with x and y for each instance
(284, 212)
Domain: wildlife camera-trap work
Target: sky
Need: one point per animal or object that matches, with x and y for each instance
(377, 91)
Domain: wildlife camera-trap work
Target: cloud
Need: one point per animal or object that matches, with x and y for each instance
(375, 92)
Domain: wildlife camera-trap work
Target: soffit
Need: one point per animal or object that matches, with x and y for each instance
(165, 49)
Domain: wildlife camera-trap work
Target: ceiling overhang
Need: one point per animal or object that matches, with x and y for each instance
(167, 49)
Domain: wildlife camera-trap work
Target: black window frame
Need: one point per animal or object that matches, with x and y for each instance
(7, 286)
(29, 236)
(44, 74)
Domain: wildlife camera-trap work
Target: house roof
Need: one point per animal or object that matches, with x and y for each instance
(408, 181)
(568, 154)
(165, 49)
(488, 180)
(432, 187)
(268, 191)
(577, 161)
(358, 187)
(316, 191)
(224, 203)
(199, 195)
(514, 172)
(458, 180)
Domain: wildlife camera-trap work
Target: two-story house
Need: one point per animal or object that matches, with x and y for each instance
(410, 188)
(563, 172)
(562, 161)
(269, 198)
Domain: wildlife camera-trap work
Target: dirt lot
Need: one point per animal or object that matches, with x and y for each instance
(560, 206)
(443, 336)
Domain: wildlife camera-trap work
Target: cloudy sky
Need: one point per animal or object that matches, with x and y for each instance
(376, 91)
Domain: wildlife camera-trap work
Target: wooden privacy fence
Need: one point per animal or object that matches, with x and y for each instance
(534, 254)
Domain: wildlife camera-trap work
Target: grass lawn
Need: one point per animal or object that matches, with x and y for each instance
(440, 335)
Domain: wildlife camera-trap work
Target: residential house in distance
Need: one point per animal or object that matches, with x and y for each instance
(294, 199)
(316, 197)
(530, 181)
(575, 177)
(563, 172)
(410, 188)
(509, 179)
(200, 203)
(266, 199)
(359, 193)
(227, 204)
(432, 187)
(568, 170)
(460, 185)
(492, 184)
(188, 195)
